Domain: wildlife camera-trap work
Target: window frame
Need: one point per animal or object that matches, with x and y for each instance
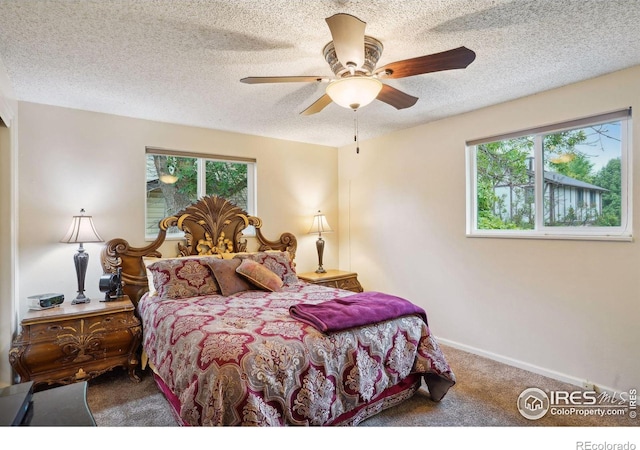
(201, 159)
(624, 232)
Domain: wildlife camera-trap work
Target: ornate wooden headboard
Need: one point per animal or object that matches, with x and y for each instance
(211, 226)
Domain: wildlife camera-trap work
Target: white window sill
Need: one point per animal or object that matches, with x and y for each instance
(619, 237)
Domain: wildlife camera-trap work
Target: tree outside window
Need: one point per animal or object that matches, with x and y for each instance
(175, 182)
(580, 185)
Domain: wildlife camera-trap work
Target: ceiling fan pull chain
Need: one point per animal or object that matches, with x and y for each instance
(355, 126)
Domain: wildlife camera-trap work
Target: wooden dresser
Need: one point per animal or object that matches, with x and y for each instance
(334, 278)
(70, 343)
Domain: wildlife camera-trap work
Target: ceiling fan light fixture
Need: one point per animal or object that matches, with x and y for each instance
(354, 92)
(354, 66)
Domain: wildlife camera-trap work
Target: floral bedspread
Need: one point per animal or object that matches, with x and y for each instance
(243, 360)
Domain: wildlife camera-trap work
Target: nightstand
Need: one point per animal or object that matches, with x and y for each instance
(334, 278)
(70, 343)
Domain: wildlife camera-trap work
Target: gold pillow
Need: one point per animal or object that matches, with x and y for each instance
(259, 275)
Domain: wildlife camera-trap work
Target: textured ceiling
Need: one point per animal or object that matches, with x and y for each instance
(181, 61)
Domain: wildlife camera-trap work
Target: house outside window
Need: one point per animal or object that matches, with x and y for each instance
(175, 180)
(570, 180)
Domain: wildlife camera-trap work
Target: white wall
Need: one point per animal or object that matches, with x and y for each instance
(72, 159)
(568, 309)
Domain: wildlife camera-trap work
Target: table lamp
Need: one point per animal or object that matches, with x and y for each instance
(80, 232)
(320, 225)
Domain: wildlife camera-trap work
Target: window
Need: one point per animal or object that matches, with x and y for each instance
(175, 180)
(570, 180)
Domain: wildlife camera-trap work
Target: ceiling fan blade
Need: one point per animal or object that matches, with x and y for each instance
(396, 98)
(302, 79)
(317, 106)
(347, 32)
(457, 58)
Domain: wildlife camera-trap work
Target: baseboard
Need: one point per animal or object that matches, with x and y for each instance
(525, 366)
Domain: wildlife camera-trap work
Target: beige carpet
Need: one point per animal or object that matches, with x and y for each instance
(485, 395)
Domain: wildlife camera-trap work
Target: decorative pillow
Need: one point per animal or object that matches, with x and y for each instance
(147, 261)
(259, 275)
(224, 270)
(183, 277)
(276, 261)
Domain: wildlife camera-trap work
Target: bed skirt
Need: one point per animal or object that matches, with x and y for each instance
(387, 399)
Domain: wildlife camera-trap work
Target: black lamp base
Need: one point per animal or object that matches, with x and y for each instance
(81, 298)
(81, 260)
(320, 248)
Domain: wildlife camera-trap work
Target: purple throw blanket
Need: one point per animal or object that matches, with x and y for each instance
(355, 310)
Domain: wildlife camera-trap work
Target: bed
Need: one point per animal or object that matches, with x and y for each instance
(233, 337)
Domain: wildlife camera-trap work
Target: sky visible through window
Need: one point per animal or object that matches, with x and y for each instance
(603, 147)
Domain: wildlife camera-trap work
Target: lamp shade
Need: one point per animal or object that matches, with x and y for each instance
(168, 175)
(81, 230)
(320, 224)
(168, 178)
(354, 92)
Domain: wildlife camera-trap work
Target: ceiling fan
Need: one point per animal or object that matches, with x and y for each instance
(353, 56)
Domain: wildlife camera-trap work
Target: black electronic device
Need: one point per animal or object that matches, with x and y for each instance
(45, 301)
(111, 285)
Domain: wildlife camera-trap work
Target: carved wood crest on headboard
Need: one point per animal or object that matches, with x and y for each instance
(212, 225)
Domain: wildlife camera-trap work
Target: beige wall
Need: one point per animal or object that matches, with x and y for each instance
(72, 159)
(7, 316)
(568, 309)
(8, 152)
